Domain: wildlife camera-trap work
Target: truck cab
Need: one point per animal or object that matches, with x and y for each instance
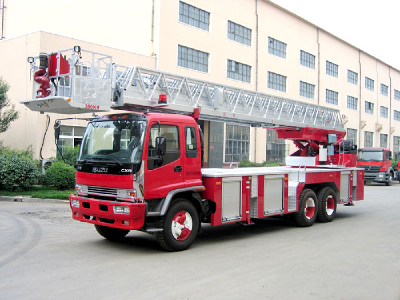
(377, 163)
(131, 166)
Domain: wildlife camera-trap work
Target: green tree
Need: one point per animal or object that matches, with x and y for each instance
(6, 115)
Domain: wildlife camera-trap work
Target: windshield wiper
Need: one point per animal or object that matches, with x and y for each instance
(107, 159)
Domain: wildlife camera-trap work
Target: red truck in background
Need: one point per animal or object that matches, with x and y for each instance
(377, 165)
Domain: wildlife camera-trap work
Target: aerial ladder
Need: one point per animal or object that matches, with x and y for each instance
(88, 82)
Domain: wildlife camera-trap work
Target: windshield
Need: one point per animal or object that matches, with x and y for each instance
(370, 156)
(119, 140)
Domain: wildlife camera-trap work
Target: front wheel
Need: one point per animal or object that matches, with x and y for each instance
(390, 179)
(327, 204)
(112, 234)
(308, 208)
(180, 226)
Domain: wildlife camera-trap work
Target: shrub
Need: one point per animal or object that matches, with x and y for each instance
(245, 163)
(70, 155)
(18, 169)
(394, 164)
(61, 176)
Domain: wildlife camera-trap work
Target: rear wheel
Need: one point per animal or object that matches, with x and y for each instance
(180, 226)
(112, 234)
(308, 208)
(327, 205)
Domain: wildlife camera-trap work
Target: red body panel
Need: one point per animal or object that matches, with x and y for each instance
(160, 181)
(214, 192)
(64, 65)
(308, 134)
(100, 212)
(385, 165)
(360, 185)
(105, 180)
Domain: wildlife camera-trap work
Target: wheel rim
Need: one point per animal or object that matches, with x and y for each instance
(330, 205)
(181, 226)
(309, 208)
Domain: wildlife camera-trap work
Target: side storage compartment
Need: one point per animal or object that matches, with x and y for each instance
(231, 199)
(273, 194)
(344, 187)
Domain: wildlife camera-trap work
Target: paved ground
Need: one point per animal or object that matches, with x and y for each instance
(46, 255)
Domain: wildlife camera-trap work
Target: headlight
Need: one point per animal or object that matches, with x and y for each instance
(75, 203)
(82, 190)
(121, 210)
(126, 194)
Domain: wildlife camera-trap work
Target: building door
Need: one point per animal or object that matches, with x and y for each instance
(216, 145)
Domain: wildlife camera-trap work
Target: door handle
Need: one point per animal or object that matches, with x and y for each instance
(178, 168)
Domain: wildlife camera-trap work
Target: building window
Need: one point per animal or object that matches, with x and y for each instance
(307, 90)
(276, 47)
(352, 135)
(384, 112)
(70, 137)
(276, 82)
(352, 77)
(396, 147)
(396, 95)
(384, 89)
(277, 149)
(237, 143)
(332, 97)
(352, 102)
(369, 107)
(368, 139)
(194, 16)
(384, 138)
(369, 83)
(239, 33)
(192, 59)
(396, 115)
(307, 59)
(238, 71)
(332, 69)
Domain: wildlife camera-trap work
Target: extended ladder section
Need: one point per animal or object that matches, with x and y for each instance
(90, 82)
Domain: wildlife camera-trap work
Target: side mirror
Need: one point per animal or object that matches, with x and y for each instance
(161, 145)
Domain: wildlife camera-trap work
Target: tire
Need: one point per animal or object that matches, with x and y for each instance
(112, 234)
(308, 208)
(327, 204)
(389, 182)
(180, 226)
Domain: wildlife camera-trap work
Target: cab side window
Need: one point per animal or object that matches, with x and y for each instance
(191, 142)
(171, 133)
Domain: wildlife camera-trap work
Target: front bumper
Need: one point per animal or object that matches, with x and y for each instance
(100, 212)
(377, 177)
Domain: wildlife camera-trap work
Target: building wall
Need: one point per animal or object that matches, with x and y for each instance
(121, 24)
(153, 29)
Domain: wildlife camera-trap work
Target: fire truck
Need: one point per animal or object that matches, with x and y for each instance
(142, 168)
(377, 164)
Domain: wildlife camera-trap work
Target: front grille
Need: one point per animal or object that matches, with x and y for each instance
(372, 169)
(102, 191)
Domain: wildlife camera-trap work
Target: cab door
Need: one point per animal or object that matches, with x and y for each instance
(192, 156)
(165, 173)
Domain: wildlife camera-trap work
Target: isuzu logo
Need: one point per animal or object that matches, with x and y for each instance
(99, 170)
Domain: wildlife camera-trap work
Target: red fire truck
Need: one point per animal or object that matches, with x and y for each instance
(377, 164)
(141, 169)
